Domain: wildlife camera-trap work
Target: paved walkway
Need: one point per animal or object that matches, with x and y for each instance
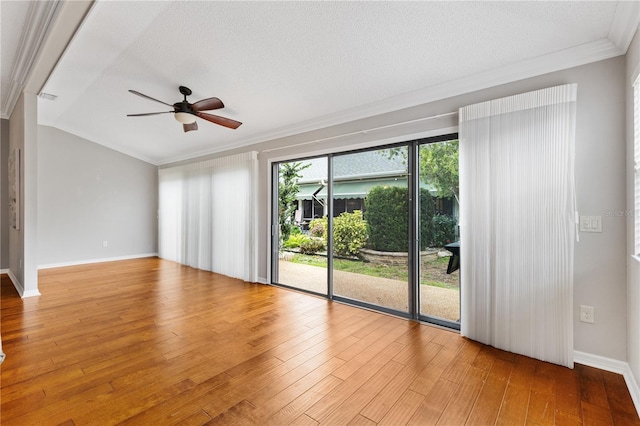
(435, 301)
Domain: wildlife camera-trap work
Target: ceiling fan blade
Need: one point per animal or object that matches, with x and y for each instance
(226, 122)
(207, 104)
(149, 113)
(190, 126)
(148, 97)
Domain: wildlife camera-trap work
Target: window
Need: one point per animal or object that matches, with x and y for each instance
(444, 206)
(347, 205)
(312, 209)
(636, 157)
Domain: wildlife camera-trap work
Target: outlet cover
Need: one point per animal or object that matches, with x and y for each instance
(586, 314)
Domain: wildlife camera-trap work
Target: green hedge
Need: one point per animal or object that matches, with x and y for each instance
(444, 230)
(387, 213)
(427, 210)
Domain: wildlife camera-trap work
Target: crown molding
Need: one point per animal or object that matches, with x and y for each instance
(40, 16)
(626, 22)
(568, 58)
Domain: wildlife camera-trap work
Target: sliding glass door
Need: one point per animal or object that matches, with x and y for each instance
(377, 228)
(300, 256)
(439, 277)
(371, 228)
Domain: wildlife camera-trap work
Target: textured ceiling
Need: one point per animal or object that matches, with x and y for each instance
(283, 67)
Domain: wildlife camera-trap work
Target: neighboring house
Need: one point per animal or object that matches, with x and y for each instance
(354, 176)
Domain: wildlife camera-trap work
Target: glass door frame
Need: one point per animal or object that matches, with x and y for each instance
(413, 281)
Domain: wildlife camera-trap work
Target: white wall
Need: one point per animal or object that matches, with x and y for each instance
(88, 194)
(633, 265)
(4, 194)
(600, 259)
(23, 240)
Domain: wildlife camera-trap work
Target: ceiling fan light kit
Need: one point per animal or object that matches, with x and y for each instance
(185, 117)
(186, 113)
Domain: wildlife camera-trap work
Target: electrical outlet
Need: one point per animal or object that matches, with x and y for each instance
(105, 244)
(586, 314)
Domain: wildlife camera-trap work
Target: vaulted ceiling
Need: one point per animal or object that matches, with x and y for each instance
(287, 67)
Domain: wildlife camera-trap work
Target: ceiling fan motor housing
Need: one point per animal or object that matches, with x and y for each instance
(183, 106)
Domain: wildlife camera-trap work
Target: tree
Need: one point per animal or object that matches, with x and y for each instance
(439, 167)
(289, 173)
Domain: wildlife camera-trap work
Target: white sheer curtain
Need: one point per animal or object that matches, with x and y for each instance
(207, 216)
(517, 228)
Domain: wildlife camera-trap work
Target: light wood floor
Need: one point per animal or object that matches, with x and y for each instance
(147, 342)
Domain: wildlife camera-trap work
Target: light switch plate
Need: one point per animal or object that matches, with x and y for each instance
(590, 223)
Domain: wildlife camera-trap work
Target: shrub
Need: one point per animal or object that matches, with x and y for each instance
(312, 245)
(350, 233)
(295, 240)
(318, 228)
(295, 230)
(444, 229)
(387, 213)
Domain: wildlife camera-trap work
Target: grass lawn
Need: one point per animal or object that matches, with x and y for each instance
(432, 272)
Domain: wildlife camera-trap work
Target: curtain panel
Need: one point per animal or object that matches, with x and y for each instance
(517, 226)
(207, 215)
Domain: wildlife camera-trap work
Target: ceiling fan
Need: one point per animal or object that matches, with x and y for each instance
(186, 113)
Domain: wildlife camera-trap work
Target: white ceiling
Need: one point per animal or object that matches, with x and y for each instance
(286, 67)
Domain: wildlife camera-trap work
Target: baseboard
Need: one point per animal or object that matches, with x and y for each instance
(614, 366)
(262, 280)
(90, 261)
(4, 271)
(20, 288)
(16, 283)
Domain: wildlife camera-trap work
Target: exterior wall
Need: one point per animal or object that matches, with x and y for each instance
(89, 194)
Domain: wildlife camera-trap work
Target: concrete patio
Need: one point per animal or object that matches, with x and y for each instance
(435, 301)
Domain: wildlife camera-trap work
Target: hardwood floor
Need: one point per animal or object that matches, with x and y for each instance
(148, 341)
